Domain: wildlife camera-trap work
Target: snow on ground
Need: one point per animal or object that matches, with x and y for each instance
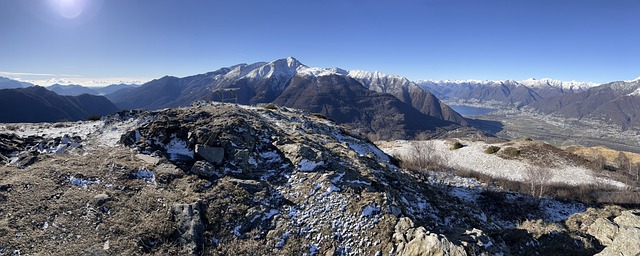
(102, 133)
(52, 130)
(473, 157)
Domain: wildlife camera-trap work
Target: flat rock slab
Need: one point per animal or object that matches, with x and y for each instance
(213, 155)
(148, 159)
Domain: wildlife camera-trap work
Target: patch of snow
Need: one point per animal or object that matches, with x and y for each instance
(635, 93)
(283, 240)
(270, 214)
(270, 156)
(557, 211)
(317, 72)
(472, 157)
(313, 250)
(176, 148)
(81, 182)
(307, 166)
(337, 178)
(370, 210)
(236, 231)
(144, 174)
(465, 194)
(363, 148)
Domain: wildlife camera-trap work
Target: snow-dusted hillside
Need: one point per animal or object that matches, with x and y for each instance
(473, 157)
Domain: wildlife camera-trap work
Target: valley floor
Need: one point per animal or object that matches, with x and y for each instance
(559, 131)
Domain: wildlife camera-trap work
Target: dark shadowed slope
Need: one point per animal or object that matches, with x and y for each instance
(37, 104)
(367, 104)
(346, 101)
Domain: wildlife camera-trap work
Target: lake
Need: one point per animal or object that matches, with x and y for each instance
(471, 111)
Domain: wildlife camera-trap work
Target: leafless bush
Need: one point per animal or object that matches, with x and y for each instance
(599, 162)
(538, 178)
(634, 171)
(492, 149)
(456, 145)
(422, 156)
(622, 162)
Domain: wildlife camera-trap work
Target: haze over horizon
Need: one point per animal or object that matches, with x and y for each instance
(98, 42)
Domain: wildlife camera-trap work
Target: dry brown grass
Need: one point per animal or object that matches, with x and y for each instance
(609, 154)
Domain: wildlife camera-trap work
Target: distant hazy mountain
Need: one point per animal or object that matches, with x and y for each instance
(507, 93)
(615, 103)
(266, 82)
(75, 90)
(71, 89)
(7, 83)
(37, 104)
(113, 88)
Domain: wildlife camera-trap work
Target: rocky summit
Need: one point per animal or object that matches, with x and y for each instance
(222, 179)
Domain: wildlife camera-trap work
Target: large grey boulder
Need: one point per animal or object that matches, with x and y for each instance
(214, 155)
(418, 241)
(189, 226)
(626, 241)
(628, 219)
(604, 230)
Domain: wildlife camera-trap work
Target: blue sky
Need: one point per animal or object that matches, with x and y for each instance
(89, 41)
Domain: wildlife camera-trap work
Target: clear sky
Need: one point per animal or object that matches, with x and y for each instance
(89, 41)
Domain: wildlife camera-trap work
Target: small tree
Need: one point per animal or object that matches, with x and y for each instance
(634, 171)
(600, 162)
(538, 177)
(623, 163)
(422, 156)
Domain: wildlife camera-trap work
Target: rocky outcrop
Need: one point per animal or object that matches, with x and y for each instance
(283, 182)
(189, 226)
(24, 151)
(412, 241)
(620, 236)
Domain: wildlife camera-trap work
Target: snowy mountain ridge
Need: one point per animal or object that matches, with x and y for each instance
(531, 83)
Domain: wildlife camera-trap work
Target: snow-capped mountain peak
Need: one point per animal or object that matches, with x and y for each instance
(316, 72)
(279, 68)
(545, 82)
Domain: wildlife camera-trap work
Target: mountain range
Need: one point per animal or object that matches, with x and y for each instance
(37, 104)
(615, 103)
(75, 90)
(502, 94)
(6, 83)
(386, 105)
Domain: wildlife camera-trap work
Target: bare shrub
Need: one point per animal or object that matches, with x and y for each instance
(492, 149)
(511, 152)
(538, 178)
(622, 162)
(456, 145)
(422, 156)
(271, 106)
(599, 162)
(634, 171)
(538, 228)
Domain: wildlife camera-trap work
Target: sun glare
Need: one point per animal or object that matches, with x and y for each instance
(69, 9)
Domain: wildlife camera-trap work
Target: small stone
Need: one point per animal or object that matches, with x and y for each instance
(101, 198)
(204, 169)
(148, 159)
